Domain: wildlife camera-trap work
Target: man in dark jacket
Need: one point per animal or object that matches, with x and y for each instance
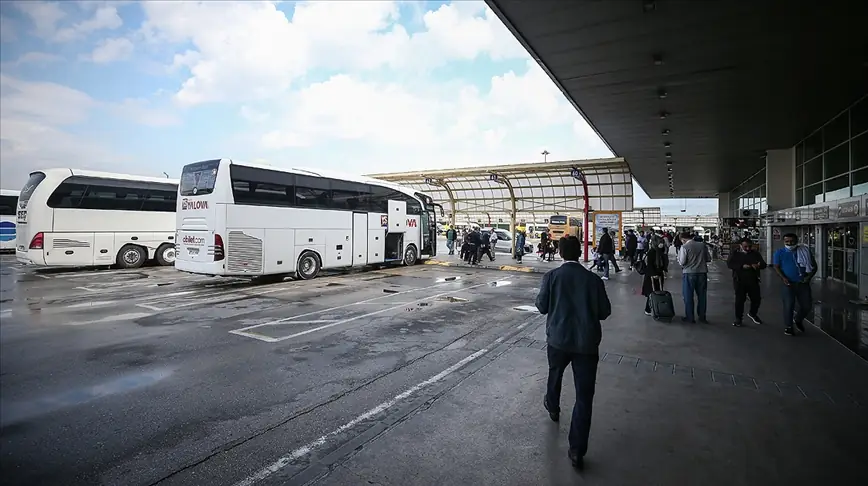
(746, 265)
(606, 249)
(574, 302)
(631, 243)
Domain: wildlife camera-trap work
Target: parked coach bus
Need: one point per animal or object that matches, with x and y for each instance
(8, 201)
(79, 218)
(239, 219)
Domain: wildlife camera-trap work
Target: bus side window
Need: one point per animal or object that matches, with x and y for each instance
(67, 195)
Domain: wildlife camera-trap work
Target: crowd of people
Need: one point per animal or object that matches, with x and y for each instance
(574, 302)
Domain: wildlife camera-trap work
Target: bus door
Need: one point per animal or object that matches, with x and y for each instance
(429, 233)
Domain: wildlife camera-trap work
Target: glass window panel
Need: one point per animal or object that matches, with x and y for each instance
(800, 176)
(837, 131)
(800, 154)
(860, 182)
(859, 151)
(814, 194)
(859, 117)
(838, 188)
(605, 178)
(836, 161)
(814, 145)
(814, 171)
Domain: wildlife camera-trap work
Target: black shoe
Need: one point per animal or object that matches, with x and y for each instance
(555, 416)
(691, 321)
(755, 318)
(736, 323)
(703, 321)
(789, 331)
(800, 326)
(578, 461)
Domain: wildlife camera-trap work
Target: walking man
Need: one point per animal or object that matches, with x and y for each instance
(606, 249)
(694, 259)
(746, 265)
(796, 266)
(574, 301)
(451, 235)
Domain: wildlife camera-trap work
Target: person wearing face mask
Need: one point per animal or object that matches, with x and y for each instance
(746, 265)
(796, 266)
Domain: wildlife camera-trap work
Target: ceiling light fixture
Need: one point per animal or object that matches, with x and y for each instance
(669, 168)
(649, 6)
(668, 155)
(667, 144)
(664, 114)
(665, 131)
(668, 162)
(661, 93)
(658, 60)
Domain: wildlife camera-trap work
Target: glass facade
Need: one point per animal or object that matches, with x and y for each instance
(832, 162)
(750, 194)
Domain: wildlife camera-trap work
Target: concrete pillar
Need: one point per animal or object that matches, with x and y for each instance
(781, 179)
(723, 202)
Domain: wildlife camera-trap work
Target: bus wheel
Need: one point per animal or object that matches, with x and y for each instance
(131, 256)
(308, 265)
(166, 255)
(410, 255)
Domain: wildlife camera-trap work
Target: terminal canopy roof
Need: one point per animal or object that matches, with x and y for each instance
(534, 191)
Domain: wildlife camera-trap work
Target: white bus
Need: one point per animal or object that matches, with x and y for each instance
(8, 201)
(79, 218)
(239, 219)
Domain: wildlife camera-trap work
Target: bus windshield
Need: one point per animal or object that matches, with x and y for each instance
(199, 178)
(558, 220)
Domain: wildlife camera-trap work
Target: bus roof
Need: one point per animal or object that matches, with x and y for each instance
(107, 175)
(330, 174)
(9, 192)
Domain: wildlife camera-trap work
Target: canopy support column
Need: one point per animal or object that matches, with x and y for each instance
(512, 215)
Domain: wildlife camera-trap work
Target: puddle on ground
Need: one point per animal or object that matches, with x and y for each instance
(500, 283)
(17, 412)
(449, 298)
(526, 308)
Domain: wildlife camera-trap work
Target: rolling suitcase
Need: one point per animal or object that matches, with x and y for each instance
(662, 307)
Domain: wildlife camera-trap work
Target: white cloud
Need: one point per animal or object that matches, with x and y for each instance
(36, 58)
(111, 50)
(140, 111)
(47, 15)
(251, 50)
(44, 15)
(33, 116)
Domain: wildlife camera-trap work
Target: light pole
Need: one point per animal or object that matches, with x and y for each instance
(165, 174)
(545, 154)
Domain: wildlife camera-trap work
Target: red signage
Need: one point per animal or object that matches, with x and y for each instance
(384, 220)
(411, 223)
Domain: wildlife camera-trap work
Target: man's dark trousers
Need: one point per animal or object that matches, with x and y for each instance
(744, 290)
(585, 378)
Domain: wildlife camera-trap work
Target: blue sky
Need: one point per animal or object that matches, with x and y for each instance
(358, 86)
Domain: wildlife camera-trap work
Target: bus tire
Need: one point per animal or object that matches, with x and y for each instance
(410, 255)
(308, 265)
(166, 255)
(131, 256)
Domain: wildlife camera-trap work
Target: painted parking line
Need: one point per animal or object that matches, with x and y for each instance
(306, 449)
(245, 331)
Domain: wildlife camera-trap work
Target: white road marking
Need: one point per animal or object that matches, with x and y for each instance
(244, 330)
(88, 289)
(92, 304)
(308, 448)
(118, 317)
(151, 307)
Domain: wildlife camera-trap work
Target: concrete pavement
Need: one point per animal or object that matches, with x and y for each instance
(420, 375)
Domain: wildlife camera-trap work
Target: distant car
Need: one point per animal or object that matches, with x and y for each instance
(502, 234)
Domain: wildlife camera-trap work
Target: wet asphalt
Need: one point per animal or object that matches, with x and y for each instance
(153, 376)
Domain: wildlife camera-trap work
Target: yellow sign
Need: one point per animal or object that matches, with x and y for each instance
(865, 234)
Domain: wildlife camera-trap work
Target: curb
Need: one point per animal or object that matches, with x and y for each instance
(505, 268)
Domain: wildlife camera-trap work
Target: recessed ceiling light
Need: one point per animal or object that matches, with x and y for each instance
(668, 162)
(661, 93)
(664, 114)
(658, 60)
(668, 155)
(667, 144)
(669, 169)
(665, 131)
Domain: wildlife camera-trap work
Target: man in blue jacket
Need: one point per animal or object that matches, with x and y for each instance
(574, 301)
